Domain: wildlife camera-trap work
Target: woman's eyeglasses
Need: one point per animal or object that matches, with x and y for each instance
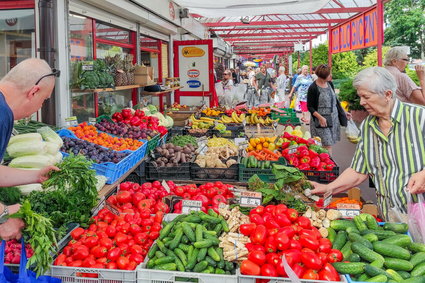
(54, 72)
(404, 59)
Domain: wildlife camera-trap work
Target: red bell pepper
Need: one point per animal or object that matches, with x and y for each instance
(324, 156)
(304, 166)
(305, 159)
(126, 113)
(135, 121)
(139, 113)
(315, 162)
(285, 145)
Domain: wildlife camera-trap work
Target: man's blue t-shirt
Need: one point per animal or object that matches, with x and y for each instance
(6, 125)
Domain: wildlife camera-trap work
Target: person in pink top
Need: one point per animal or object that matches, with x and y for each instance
(396, 61)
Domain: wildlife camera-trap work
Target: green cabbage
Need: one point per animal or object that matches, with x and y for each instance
(33, 137)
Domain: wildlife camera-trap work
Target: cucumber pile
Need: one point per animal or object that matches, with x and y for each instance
(252, 162)
(190, 243)
(374, 253)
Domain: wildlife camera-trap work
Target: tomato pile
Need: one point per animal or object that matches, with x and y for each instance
(277, 231)
(210, 194)
(144, 199)
(111, 242)
(13, 251)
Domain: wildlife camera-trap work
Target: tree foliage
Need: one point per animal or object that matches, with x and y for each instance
(371, 59)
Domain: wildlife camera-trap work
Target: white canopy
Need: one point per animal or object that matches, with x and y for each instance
(236, 8)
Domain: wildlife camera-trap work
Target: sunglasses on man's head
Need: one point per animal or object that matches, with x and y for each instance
(54, 72)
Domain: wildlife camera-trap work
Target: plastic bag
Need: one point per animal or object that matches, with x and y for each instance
(292, 105)
(352, 132)
(416, 212)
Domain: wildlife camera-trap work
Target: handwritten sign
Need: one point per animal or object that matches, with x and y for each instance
(250, 199)
(165, 185)
(327, 198)
(71, 121)
(191, 205)
(348, 210)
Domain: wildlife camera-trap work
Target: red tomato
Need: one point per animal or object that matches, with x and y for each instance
(111, 231)
(111, 265)
(298, 270)
(295, 244)
(310, 274)
(247, 229)
(304, 222)
(272, 258)
(259, 235)
(292, 256)
(141, 238)
(282, 241)
(329, 273)
(136, 249)
(103, 260)
(114, 254)
(60, 260)
(122, 262)
(323, 256)
(269, 208)
(99, 251)
(143, 204)
(282, 220)
(112, 199)
(77, 233)
(325, 245)
(204, 199)
(137, 197)
(256, 218)
(88, 262)
(250, 268)
(80, 253)
(309, 242)
(125, 186)
(334, 256)
(280, 269)
(311, 260)
(91, 241)
(268, 270)
(258, 210)
(272, 224)
(252, 247)
(270, 244)
(158, 217)
(120, 238)
(218, 199)
(106, 242)
(123, 197)
(257, 257)
(292, 214)
(280, 209)
(76, 263)
(160, 206)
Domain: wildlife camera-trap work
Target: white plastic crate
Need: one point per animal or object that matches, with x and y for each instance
(253, 279)
(162, 276)
(75, 275)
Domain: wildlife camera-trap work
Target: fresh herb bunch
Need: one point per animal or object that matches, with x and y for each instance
(10, 195)
(41, 236)
(184, 140)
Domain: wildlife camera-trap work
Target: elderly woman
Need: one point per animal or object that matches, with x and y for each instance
(303, 82)
(281, 86)
(396, 61)
(326, 111)
(391, 149)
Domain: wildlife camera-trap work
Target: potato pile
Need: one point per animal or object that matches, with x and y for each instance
(171, 155)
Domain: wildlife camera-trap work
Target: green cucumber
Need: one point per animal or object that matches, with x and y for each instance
(391, 250)
(204, 244)
(382, 234)
(377, 263)
(340, 240)
(198, 233)
(202, 254)
(225, 225)
(161, 246)
(179, 265)
(353, 258)
(181, 255)
(400, 228)
(359, 223)
(218, 229)
(152, 251)
(346, 250)
(210, 219)
(188, 232)
(373, 271)
(353, 268)
(192, 260)
(357, 238)
(167, 266)
(419, 270)
(210, 261)
(398, 240)
(176, 241)
(164, 260)
(352, 230)
(363, 277)
(219, 271)
(151, 263)
(212, 213)
(417, 258)
(342, 224)
(378, 278)
(366, 253)
(416, 247)
(371, 237)
(200, 266)
(404, 274)
(159, 254)
(398, 264)
(419, 279)
(166, 230)
(184, 247)
(331, 234)
(371, 222)
(213, 254)
(394, 275)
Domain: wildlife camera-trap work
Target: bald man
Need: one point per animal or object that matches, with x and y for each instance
(22, 92)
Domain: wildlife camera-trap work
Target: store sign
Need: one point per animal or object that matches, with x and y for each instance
(192, 52)
(172, 11)
(193, 83)
(193, 73)
(361, 32)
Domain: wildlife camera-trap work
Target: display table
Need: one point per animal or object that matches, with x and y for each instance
(161, 94)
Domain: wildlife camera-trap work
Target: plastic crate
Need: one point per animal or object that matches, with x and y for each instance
(322, 176)
(180, 172)
(163, 139)
(253, 279)
(152, 143)
(265, 175)
(214, 174)
(159, 276)
(207, 133)
(262, 131)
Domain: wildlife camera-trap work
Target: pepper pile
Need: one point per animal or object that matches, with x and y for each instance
(277, 231)
(139, 119)
(308, 158)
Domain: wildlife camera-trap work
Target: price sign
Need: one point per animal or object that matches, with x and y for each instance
(250, 199)
(348, 210)
(87, 66)
(292, 149)
(92, 120)
(244, 122)
(327, 199)
(71, 121)
(191, 205)
(165, 185)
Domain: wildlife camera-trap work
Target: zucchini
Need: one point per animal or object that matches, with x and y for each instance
(371, 237)
(391, 250)
(331, 234)
(357, 238)
(398, 240)
(349, 267)
(200, 266)
(416, 247)
(398, 264)
(417, 258)
(340, 240)
(359, 223)
(366, 253)
(378, 278)
(400, 228)
(419, 270)
(342, 224)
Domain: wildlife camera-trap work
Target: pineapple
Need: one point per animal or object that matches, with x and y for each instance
(120, 76)
(129, 68)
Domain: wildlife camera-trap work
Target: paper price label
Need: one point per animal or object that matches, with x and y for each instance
(71, 121)
(87, 66)
(165, 185)
(327, 199)
(191, 205)
(348, 210)
(92, 120)
(292, 149)
(250, 199)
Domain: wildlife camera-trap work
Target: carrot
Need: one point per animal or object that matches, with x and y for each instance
(268, 151)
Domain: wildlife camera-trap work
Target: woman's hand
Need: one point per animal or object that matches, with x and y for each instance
(416, 183)
(43, 174)
(320, 189)
(323, 122)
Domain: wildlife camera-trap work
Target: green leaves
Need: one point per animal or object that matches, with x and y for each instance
(286, 174)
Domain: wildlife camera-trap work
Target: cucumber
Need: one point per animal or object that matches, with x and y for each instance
(181, 255)
(188, 232)
(185, 240)
(204, 244)
(373, 271)
(193, 259)
(198, 233)
(366, 253)
(378, 278)
(184, 247)
(398, 264)
(179, 265)
(357, 238)
(210, 219)
(400, 228)
(225, 225)
(371, 222)
(353, 258)
(382, 234)
(218, 229)
(176, 241)
(391, 250)
(352, 230)
(212, 213)
(377, 263)
(190, 252)
(192, 218)
(164, 260)
(152, 251)
(371, 237)
(166, 230)
(363, 277)
(167, 266)
(161, 246)
(394, 275)
(419, 270)
(416, 247)
(417, 258)
(398, 240)
(404, 274)
(213, 254)
(200, 266)
(340, 240)
(202, 254)
(342, 224)
(151, 263)
(331, 234)
(219, 271)
(419, 279)
(359, 223)
(159, 254)
(346, 250)
(210, 261)
(228, 266)
(349, 267)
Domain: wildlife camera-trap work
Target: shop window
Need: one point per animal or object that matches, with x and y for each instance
(80, 38)
(149, 43)
(164, 60)
(108, 32)
(111, 102)
(150, 59)
(103, 50)
(17, 37)
(83, 105)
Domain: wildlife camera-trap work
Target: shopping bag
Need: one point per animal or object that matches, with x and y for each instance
(5, 274)
(352, 132)
(416, 213)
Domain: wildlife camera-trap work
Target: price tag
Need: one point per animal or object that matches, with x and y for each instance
(327, 199)
(222, 205)
(112, 208)
(191, 205)
(92, 120)
(87, 66)
(244, 122)
(250, 199)
(71, 121)
(292, 149)
(165, 185)
(241, 141)
(348, 210)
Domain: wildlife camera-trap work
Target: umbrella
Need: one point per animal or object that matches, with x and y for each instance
(249, 64)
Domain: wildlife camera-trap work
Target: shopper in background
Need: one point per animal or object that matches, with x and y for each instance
(302, 84)
(270, 69)
(325, 109)
(396, 61)
(234, 77)
(263, 85)
(227, 83)
(281, 86)
(313, 74)
(391, 149)
(237, 76)
(22, 92)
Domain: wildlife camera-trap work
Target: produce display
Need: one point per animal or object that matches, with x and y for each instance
(260, 111)
(188, 246)
(124, 130)
(89, 133)
(309, 158)
(217, 157)
(212, 112)
(99, 77)
(184, 140)
(12, 252)
(322, 219)
(169, 155)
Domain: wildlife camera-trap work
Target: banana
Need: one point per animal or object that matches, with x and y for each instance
(226, 119)
(248, 119)
(242, 117)
(261, 120)
(206, 119)
(268, 121)
(235, 117)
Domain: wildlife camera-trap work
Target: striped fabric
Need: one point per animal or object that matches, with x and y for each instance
(401, 154)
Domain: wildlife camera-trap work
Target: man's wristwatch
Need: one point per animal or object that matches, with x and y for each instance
(4, 216)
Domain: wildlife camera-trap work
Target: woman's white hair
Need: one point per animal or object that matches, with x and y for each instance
(281, 69)
(375, 79)
(25, 74)
(398, 52)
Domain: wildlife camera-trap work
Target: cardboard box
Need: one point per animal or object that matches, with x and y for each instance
(144, 75)
(355, 193)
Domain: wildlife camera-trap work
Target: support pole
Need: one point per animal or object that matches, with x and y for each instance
(380, 9)
(299, 61)
(311, 56)
(330, 39)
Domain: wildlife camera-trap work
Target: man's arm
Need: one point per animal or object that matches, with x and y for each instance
(10, 177)
(11, 229)
(348, 179)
